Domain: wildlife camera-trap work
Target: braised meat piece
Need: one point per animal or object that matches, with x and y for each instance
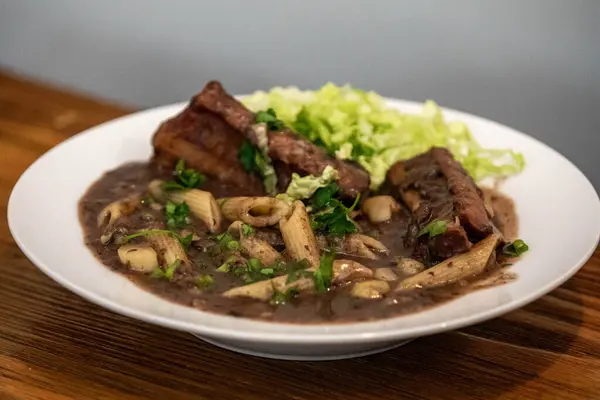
(468, 198)
(437, 188)
(207, 144)
(286, 146)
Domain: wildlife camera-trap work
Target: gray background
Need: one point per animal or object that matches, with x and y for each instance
(530, 64)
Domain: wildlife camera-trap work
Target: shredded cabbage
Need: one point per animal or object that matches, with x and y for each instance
(353, 124)
(304, 187)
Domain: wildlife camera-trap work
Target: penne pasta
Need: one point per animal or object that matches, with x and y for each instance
(115, 210)
(258, 248)
(202, 205)
(380, 208)
(343, 271)
(299, 239)
(254, 247)
(451, 270)
(255, 211)
(372, 289)
(168, 248)
(408, 266)
(138, 258)
(385, 274)
(364, 246)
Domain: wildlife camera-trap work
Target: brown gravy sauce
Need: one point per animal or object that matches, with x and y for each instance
(335, 306)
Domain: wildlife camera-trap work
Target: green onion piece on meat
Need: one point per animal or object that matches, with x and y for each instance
(434, 228)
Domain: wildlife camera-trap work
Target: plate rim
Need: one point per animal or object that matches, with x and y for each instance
(385, 334)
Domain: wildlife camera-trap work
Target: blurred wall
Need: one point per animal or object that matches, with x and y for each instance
(531, 64)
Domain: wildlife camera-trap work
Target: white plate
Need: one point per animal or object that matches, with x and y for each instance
(558, 208)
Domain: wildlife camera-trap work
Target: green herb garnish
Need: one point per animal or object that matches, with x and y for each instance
(323, 196)
(516, 248)
(256, 162)
(204, 281)
(323, 275)
(296, 270)
(168, 272)
(184, 240)
(226, 266)
(185, 178)
(227, 242)
(269, 117)
(176, 214)
(247, 230)
(335, 219)
(434, 228)
(254, 271)
(280, 298)
(233, 245)
(247, 156)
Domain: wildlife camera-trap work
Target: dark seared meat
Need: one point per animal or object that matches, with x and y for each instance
(468, 198)
(208, 144)
(454, 241)
(214, 98)
(290, 148)
(286, 146)
(284, 175)
(436, 187)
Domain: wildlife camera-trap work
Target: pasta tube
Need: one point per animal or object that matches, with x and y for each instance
(455, 268)
(202, 205)
(138, 258)
(168, 248)
(364, 246)
(343, 271)
(299, 239)
(255, 211)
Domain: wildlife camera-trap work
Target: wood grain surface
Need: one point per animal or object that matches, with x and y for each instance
(54, 345)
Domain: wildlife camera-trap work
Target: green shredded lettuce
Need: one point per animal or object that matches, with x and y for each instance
(304, 187)
(357, 125)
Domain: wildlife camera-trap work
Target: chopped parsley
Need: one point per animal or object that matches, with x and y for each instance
(256, 162)
(247, 230)
(323, 196)
(227, 242)
(176, 214)
(324, 274)
(167, 273)
(185, 178)
(269, 118)
(516, 248)
(434, 228)
(334, 218)
(253, 270)
(247, 156)
(281, 298)
(250, 271)
(297, 270)
(232, 260)
(204, 281)
(184, 240)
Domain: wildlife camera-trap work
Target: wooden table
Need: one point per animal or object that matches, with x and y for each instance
(54, 345)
